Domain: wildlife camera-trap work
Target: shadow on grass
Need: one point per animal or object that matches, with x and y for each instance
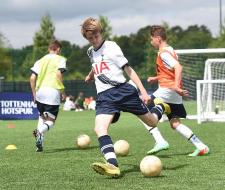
(69, 149)
(175, 167)
(134, 168)
(172, 155)
(124, 157)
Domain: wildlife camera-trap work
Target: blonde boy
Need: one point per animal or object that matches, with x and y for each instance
(114, 94)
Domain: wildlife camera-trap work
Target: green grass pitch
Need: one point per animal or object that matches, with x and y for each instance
(63, 166)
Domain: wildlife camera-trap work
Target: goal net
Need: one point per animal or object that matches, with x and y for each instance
(195, 67)
(211, 100)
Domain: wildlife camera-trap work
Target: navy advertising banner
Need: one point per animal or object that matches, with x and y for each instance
(17, 105)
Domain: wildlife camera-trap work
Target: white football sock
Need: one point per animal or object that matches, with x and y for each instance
(188, 134)
(40, 122)
(184, 131)
(197, 142)
(154, 131)
(157, 135)
(45, 126)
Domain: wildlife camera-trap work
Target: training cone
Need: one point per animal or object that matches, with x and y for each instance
(11, 147)
(11, 126)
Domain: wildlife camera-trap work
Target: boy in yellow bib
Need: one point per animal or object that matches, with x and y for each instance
(47, 87)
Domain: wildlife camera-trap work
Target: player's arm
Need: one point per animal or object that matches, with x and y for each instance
(134, 77)
(33, 79)
(152, 80)
(178, 77)
(172, 63)
(90, 76)
(59, 76)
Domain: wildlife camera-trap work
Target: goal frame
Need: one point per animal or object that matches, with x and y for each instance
(209, 51)
(200, 51)
(210, 115)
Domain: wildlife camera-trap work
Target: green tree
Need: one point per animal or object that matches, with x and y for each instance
(137, 49)
(18, 56)
(41, 40)
(43, 37)
(194, 37)
(174, 34)
(67, 48)
(1, 40)
(78, 63)
(107, 29)
(219, 41)
(5, 61)
(4, 42)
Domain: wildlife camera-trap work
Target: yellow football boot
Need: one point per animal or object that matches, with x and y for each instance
(106, 169)
(166, 106)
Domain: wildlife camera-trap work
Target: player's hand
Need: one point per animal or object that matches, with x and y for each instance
(88, 79)
(145, 98)
(152, 80)
(34, 97)
(63, 95)
(182, 92)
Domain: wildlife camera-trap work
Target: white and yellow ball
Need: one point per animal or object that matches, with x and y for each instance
(121, 148)
(151, 166)
(83, 141)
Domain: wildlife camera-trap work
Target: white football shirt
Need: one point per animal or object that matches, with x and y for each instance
(107, 62)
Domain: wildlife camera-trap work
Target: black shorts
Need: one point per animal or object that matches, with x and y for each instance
(177, 110)
(52, 109)
(121, 98)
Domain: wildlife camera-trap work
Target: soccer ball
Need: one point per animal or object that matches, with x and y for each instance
(151, 166)
(121, 148)
(83, 141)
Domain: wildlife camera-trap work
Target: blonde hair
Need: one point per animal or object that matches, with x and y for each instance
(91, 25)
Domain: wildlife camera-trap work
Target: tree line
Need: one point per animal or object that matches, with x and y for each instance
(15, 64)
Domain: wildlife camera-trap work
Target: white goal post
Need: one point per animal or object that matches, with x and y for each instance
(202, 64)
(210, 100)
(214, 69)
(193, 62)
(200, 51)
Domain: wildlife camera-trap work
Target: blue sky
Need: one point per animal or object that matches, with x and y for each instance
(20, 19)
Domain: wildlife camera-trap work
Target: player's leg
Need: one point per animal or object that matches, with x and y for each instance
(38, 136)
(136, 106)
(44, 125)
(151, 118)
(110, 167)
(160, 142)
(186, 132)
(156, 134)
(48, 122)
(48, 114)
